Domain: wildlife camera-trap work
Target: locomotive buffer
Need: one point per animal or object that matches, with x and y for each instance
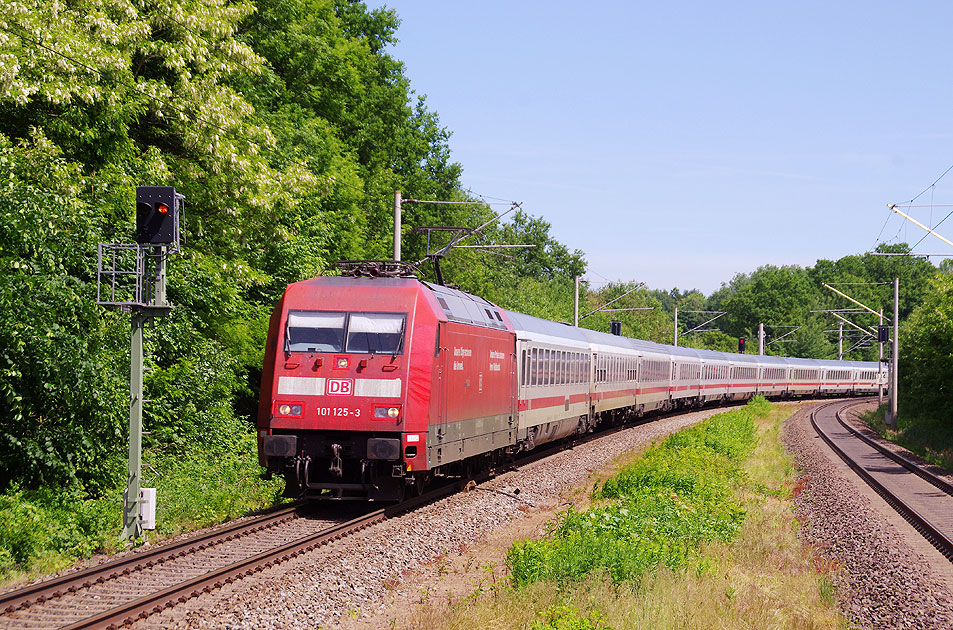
(132, 276)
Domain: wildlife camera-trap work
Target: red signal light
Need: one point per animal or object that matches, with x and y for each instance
(162, 208)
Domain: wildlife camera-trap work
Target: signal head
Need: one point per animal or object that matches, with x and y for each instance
(157, 215)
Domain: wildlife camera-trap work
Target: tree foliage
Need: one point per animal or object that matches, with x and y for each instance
(926, 354)
(286, 124)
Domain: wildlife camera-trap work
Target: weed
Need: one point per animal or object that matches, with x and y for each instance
(567, 618)
(755, 574)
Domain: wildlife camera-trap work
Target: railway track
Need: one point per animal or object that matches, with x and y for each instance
(923, 499)
(120, 592)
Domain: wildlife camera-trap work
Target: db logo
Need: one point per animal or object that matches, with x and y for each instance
(340, 386)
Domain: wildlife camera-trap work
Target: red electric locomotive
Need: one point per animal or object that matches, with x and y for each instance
(370, 384)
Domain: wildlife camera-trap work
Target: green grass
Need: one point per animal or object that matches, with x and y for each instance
(930, 438)
(45, 530)
(739, 565)
(656, 511)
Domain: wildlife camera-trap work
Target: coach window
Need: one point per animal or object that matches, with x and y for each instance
(534, 367)
(524, 364)
(315, 331)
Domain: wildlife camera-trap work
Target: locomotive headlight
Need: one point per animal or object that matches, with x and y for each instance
(386, 412)
(289, 409)
(341, 363)
(393, 412)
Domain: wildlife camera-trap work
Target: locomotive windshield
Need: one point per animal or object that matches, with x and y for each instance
(380, 333)
(360, 333)
(315, 331)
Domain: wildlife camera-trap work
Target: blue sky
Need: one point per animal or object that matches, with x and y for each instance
(680, 143)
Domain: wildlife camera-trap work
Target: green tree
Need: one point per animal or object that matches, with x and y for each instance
(62, 381)
(774, 296)
(926, 353)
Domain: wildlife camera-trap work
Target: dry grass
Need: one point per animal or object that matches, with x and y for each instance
(764, 578)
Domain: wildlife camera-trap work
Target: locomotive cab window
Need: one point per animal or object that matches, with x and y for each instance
(315, 331)
(375, 333)
(360, 333)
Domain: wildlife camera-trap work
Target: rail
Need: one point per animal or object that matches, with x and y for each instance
(937, 538)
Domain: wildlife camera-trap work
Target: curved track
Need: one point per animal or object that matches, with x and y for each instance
(924, 500)
(145, 582)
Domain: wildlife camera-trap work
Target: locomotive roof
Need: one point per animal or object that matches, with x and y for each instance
(467, 308)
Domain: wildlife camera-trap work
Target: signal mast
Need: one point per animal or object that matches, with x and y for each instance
(132, 276)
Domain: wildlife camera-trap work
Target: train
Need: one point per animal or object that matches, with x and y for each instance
(373, 387)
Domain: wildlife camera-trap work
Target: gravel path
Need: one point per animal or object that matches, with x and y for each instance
(884, 582)
(350, 580)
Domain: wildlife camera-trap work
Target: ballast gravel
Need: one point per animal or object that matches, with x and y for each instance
(882, 581)
(352, 577)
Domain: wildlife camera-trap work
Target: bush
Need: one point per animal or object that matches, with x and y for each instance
(50, 528)
(44, 530)
(199, 488)
(565, 618)
(926, 354)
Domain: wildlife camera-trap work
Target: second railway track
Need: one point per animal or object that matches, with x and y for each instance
(923, 499)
